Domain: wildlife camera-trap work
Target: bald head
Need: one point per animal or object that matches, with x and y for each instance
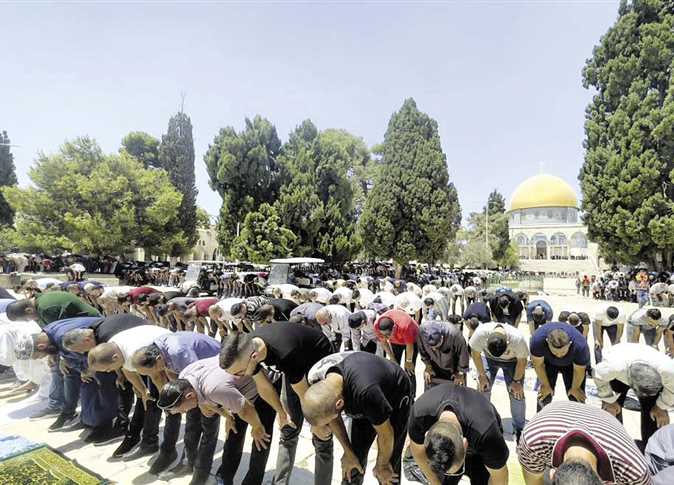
(322, 403)
(105, 357)
(323, 316)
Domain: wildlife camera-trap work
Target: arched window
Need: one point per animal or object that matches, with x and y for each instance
(558, 239)
(522, 240)
(579, 240)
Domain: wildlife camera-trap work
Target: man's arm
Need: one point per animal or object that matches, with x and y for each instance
(419, 454)
(385, 439)
(267, 392)
(597, 333)
(619, 332)
(300, 388)
(159, 379)
(520, 368)
(539, 367)
(579, 372)
(409, 358)
(658, 337)
(532, 478)
(498, 476)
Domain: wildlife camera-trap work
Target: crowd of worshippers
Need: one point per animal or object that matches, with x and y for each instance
(344, 360)
(638, 286)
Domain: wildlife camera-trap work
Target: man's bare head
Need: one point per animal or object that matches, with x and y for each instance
(323, 316)
(105, 357)
(322, 403)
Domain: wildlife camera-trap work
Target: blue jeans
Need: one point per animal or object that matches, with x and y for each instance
(642, 297)
(71, 390)
(517, 407)
(56, 394)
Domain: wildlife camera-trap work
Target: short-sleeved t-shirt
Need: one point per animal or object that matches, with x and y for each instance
(56, 330)
(282, 308)
(59, 305)
(480, 422)
(135, 338)
(373, 394)
(106, 328)
(602, 317)
(181, 303)
(293, 348)
(547, 310)
(181, 349)
(202, 305)
(143, 290)
(579, 352)
(478, 310)
(405, 329)
(218, 388)
(308, 311)
(640, 319)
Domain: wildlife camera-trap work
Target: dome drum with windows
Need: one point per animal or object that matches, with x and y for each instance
(545, 222)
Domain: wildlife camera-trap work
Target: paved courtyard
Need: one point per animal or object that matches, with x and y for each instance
(15, 412)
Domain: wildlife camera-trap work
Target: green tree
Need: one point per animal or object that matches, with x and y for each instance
(84, 200)
(627, 178)
(203, 219)
(7, 178)
(412, 211)
(499, 237)
(243, 168)
(143, 147)
(263, 237)
(176, 156)
(325, 175)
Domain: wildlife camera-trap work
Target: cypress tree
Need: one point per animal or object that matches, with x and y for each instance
(7, 178)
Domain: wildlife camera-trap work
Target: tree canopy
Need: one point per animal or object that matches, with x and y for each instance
(243, 168)
(176, 156)
(263, 237)
(83, 200)
(7, 178)
(627, 178)
(412, 211)
(143, 147)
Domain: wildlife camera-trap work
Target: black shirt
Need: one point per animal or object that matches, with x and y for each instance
(480, 422)
(293, 348)
(374, 387)
(282, 308)
(478, 310)
(106, 328)
(514, 307)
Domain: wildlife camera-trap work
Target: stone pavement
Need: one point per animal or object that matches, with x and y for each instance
(15, 412)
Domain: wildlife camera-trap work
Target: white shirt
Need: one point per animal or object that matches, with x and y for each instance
(659, 288)
(456, 290)
(602, 318)
(286, 290)
(518, 347)
(135, 338)
(44, 283)
(339, 322)
(226, 306)
(639, 319)
(414, 288)
(365, 297)
(408, 302)
(616, 362)
(387, 298)
(111, 293)
(365, 334)
(345, 295)
(470, 291)
(322, 295)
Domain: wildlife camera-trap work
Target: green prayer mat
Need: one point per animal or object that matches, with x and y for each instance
(45, 466)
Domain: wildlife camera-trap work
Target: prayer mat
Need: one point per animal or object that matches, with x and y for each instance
(45, 466)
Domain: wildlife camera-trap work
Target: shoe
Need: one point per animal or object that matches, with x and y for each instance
(104, 435)
(141, 452)
(62, 421)
(127, 445)
(182, 469)
(44, 413)
(163, 461)
(200, 477)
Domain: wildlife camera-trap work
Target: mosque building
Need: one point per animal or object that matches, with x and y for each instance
(546, 225)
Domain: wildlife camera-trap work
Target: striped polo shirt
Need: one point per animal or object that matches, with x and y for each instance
(546, 437)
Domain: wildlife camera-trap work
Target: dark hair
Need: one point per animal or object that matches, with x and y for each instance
(574, 320)
(334, 300)
(355, 294)
(193, 292)
(563, 316)
(172, 393)
(236, 309)
(386, 324)
(232, 346)
(443, 445)
(558, 338)
(357, 319)
(455, 319)
(612, 312)
(503, 301)
(654, 313)
(429, 301)
(645, 380)
(142, 298)
(497, 344)
(298, 319)
(473, 323)
(18, 310)
(377, 299)
(575, 473)
(161, 309)
(149, 356)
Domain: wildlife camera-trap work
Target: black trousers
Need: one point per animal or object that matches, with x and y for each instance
(171, 431)
(648, 424)
(612, 332)
(552, 372)
(143, 422)
(370, 347)
(398, 351)
(233, 449)
(475, 470)
(363, 435)
(201, 439)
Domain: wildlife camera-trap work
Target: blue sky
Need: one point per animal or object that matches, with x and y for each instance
(502, 78)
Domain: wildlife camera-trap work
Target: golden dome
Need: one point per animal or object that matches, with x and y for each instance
(543, 191)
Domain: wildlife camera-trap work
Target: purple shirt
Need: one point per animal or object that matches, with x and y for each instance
(181, 349)
(218, 388)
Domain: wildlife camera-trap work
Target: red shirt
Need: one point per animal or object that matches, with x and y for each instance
(143, 290)
(203, 305)
(405, 329)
